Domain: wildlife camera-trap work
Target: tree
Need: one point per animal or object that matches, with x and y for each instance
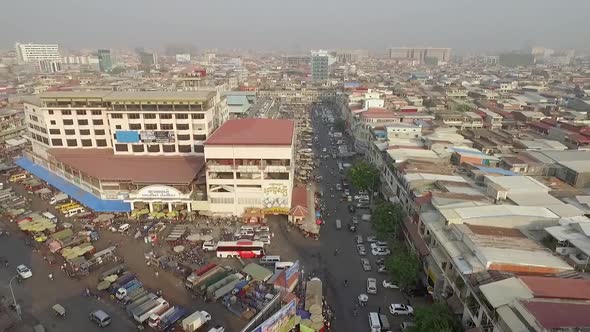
(404, 267)
(118, 70)
(364, 176)
(387, 219)
(463, 108)
(340, 125)
(435, 317)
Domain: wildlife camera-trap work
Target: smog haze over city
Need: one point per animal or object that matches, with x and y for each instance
(464, 25)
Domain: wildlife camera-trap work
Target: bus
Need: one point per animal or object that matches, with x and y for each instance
(241, 248)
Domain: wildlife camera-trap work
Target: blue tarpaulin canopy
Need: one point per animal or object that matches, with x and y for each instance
(75, 192)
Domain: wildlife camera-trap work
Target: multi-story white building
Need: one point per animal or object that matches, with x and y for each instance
(127, 149)
(250, 164)
(37, 52)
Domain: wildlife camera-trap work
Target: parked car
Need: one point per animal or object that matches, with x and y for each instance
(389, 284)
(382, 269)
(371, 238)
(361, 250)
(100, 317)
(359, 239)
(366, 264)
(371, 285)
(401, 309)
(24, 272)
(380, 251)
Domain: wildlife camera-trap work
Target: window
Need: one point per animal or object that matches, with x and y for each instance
(66, 112)
(117, 126)
(99, 132)
(101, 142)
(80, 112)
(50, 112)
(117, 116)
(55, 131)
(86, 142)
(181, 126)
(85, 132)
(153, 148)
(199, 137)
(70, 132)
(184, 148)
(199, 148)
(83, 122)
(197, 116)
(72, 142)
(165, 116)
(166, 126)
(133, 116)
(135, 126)
(57, 142)
(68, 122)
(95, 112)
(121, 147)
(149, 116)
(184, 137)
(97, 122)
(45, 140)
(168, 148)
(53, 122)
(151, 126)
(182, 116)
(137, 148)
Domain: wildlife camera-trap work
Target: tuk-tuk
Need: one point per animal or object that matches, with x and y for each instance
(352, 228)
(338, 224)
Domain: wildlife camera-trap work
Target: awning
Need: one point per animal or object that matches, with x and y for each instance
(75, 192)
(257, 272)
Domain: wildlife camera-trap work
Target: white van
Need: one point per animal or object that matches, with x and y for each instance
(282, 265)
(270, 260)
(374, 322)
(123, 228)
(50, 216)
(74, 211)
(209, 246)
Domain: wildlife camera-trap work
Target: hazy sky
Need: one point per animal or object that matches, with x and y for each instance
(299, 24)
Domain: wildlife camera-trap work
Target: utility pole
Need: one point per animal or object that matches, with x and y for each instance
(16, 306)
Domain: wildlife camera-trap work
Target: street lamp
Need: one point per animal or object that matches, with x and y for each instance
(16, 306)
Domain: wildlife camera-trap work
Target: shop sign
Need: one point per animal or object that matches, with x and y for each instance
(159, 192)
(157, 136)
(276, 198)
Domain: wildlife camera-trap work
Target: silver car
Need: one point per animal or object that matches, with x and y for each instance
(366, 264)
(361, 249)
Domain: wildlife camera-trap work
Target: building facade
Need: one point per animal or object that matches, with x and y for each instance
(420, 54)
(250, 164)
(31, 53)
(105, 62)
(11, 124)
(320, 66)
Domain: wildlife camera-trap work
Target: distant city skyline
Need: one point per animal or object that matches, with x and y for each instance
(465, 26)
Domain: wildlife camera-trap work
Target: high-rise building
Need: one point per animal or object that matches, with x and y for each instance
(31, 53)
(148, 59)
(516, 59)
(320, 66)
(424, 54)
(105, 62)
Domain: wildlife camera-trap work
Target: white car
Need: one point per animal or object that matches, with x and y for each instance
(389, 284)
(265, 240)
(401, 309)
(371, 238)
(24, 272)
(263, 229)
(371, 286)
(378, 244)
(366, 264)
(209, 246)
(380, 252)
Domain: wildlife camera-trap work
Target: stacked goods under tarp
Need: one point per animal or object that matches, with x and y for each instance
(77, 251)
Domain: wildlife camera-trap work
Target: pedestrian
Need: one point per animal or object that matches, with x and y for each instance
(379, 310)
(157, 274)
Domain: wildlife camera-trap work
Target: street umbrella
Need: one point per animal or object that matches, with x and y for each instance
(178, 249)
(363, 297)
(206, 237)
(317, 318)
(103, 285)
(111, 278)
(318, 221)
(194, 237)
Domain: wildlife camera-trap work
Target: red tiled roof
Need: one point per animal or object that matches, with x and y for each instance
(102, 164)
(545, 287)
(253, 132)
(540, 125)
(299, 196)
(556, 315)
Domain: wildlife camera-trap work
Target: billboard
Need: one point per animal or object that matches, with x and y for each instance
(157, 136)
(282, 321)
(292, 270)
(276, 198)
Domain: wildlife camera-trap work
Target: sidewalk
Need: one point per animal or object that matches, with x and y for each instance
(309, 225)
